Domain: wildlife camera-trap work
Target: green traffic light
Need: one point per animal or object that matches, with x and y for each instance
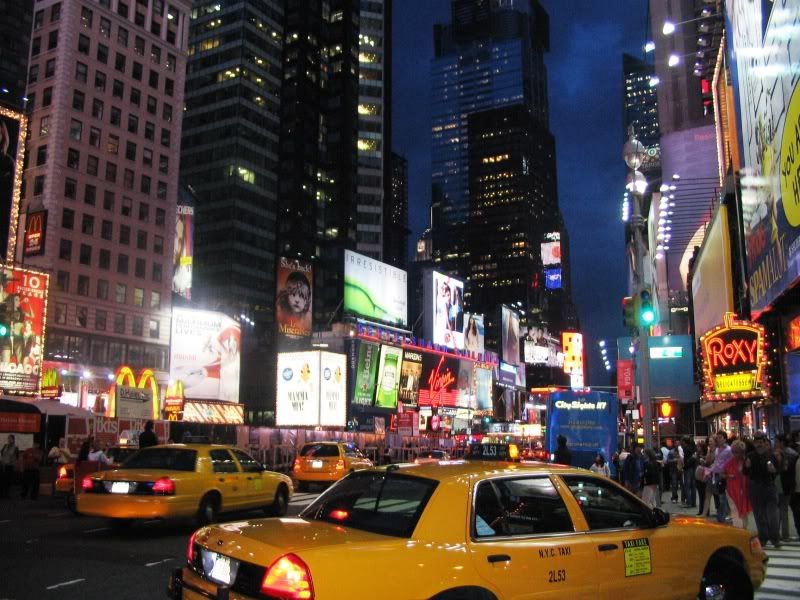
(3, 331)
(648, 316)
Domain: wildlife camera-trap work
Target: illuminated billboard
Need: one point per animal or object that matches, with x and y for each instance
(410, 376)
(387, 390)
(311, 389)
(572, 343)
(447, 311)
(35, 233)
(332, 389)
(375, 290)
(467, 392)
(293, 300)
(712, 282)
(366, 374)
(439, 380)
(551, 253)
(552, 278)
(734, 360)
(542, 348)
(13, 131)
(510, 335)
(204, 354)
(483, 388)
(23, 306)
(474, 333)
(183, 252)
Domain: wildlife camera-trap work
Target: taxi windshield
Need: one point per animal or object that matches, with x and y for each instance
(170, 459)
(320, 450)
(376, 501)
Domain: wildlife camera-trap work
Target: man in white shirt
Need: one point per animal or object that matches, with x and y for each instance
(98, 455)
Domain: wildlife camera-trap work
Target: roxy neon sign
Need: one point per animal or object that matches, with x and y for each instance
(734, 358)
(732, 353)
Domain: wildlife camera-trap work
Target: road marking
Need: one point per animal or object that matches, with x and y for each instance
(5, 521)
(151, 521)
(58, 585)
(31, 541)
(96, 530)
(158, 562)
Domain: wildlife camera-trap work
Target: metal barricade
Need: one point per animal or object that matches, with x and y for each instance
(277, 458)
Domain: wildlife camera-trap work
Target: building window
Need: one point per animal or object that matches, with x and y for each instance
(105, 27)
(158, 244)
(38, 185)
(111, 172)
(89, 196)
(83, 285)
(136, 73)
(81, 316)
(119, 325)
(161, 191)
(100, 317)
(108, 200)
(50, 68)
(61, 313)
(156, 272)
(155, 299)
(161, 217)
(171, 61)
(99, 81)
(124, 235)
(152, 80)
(75, 130)
(47, 98)
(136, 96)
(102, 289)
(87, 224)
(55, 12)
(104, 260)
(166, 112)
(122, 293)
(147, 157)
(83, 44)
(44, 126)
(122, 37)
(81, 72)
(122, 264)
(102, 53)
(116, 116)
(70, 188)
(140, 268)
(86, 17)
(92, 165)
(112, 146)
(163, 164)
(138, 296)
(94, 137)
(119, 62)
(130, 151)
(65, 249)
(38, 19)
(149, 131)
(165, 137)
(86, 254)
(152, 105)
(144, 212)
(154, 329)
(73, 158)
(33, 74)
(141, 240)
(67, 218)
(41, 155)
(138, 326)
(62, 281)
(145, 184)
(155, 54)
(127, 206)
(106, 229)
(118, 89)
(52, 40)
(133, 124)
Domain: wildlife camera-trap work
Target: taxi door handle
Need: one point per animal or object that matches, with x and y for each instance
(495, 558)
(222, 479)
(607, 547)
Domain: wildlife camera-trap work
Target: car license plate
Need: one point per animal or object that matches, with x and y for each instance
(220, 569)
(316, 464)
(120, 487)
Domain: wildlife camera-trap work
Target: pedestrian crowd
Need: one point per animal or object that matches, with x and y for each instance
(739, 477)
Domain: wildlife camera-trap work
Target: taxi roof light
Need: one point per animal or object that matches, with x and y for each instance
(289, 578)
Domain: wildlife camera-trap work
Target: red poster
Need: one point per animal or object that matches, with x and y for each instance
(20, 422)
(293, 300)
(23, 301)
(625, 379)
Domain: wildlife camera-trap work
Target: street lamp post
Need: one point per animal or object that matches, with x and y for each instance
(634, 152)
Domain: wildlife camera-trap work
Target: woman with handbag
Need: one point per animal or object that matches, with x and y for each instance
(704, 487)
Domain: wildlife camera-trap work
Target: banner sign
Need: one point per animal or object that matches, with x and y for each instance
(625, 382)
(332, 390)
(509, 320)
(439, 380)
(551, 253)
(410, 376)
(734, 358)
(375, 290)
(448, 311)
(293, 300)
(474, 333)
(366, 373)
(218, 413)
(483, 389)
(35, 233)
(23, 308)
(587, 420)
(20, 422)
(540, 347)
(51, 384)
(134, 402)
(388, 377)
(311, 389)
(110, 431)
(182, 263)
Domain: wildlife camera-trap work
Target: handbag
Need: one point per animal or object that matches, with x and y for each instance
(700, 473)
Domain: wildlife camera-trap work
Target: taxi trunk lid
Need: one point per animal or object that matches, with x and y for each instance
(322, 464)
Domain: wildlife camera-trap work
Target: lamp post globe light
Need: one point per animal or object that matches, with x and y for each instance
(633, 152)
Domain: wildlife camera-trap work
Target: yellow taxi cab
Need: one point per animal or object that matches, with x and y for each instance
(326, 462)
(183, 480)
(65, 476)
(475, 530)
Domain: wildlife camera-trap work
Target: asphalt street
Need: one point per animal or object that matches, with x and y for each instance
(47, 552)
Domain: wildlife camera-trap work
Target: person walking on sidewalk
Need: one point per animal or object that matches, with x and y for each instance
(672, 468)
(787, 460)
(689, 468)
(632, 470)
(651, 479)
(31, 462)
(721, 458)
(760, 468)
(9, 454)
(737, 486)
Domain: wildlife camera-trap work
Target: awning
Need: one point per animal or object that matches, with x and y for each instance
(54, 408)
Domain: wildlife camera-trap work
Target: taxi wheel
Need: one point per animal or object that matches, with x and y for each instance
(725, 582)
(465, 593)
(280, 505)
(208, 510)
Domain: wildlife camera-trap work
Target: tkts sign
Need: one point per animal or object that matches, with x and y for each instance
(733, 360)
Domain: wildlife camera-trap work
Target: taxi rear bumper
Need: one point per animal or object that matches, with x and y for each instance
(135, 507)
(63, 487)
(318, 475)
(185, 585)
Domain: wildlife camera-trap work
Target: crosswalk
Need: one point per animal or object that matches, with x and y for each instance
(300, 500)
(783, 573)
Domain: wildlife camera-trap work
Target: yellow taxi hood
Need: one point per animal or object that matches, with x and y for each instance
(270, 538)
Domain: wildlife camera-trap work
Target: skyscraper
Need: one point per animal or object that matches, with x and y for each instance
(106, 96)
(396, 229)
(641, 99)
(15, 36)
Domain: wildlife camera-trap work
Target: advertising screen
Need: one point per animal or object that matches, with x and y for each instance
(410, 375)
(293, 300)
(13, 130)
(712, 286)
(23, 309)
(297, 400)
(35, 233)
(483, 388)
(587, 420)
(332, 390)
(183, 255)
(366, 375)
(204, 354)
(134, 402)
(473, 333)
(375, 290)
(763, 61)
(551, 253)
(448, 311)
(542, 348)
(510, 335)
(467, 392)
(439, 385)
(386, 391)
(552, 278)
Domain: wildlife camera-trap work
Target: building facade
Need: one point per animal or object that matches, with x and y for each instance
(396, 230)
(106, 97)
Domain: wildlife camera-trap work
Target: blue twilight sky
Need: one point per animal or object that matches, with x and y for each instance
(587, 39)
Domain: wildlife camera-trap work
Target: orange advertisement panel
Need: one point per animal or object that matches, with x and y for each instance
(35, 233)
(293, 300)
(210, 412)
(20, 422)
(23, 311)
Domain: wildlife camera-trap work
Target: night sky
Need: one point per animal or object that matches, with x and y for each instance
(587, 39)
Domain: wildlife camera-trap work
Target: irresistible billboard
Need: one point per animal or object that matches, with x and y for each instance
(447, 311)
(366, 374)
(183, 252)
(293, 300)
(712, 287)
(23, 309)
(13, 130)
(510, 335)
(204, 354)
(35, 233)
(764, 67)
(375, 290)
(474, 333)
(410, 376)
(387, 390)
(551, 253)
(439, 380)
(332, 389)
(297, 400)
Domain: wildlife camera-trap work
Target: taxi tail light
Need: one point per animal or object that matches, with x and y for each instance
(416, 461)
(62, 472)
(190, 549)
(340, 465)
(87, 484)
(296, 464)
(164, 486)
(289, 578)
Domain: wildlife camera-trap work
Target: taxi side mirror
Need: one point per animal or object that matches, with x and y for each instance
(660, 518)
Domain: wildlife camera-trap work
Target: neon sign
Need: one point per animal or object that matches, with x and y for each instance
(734, 358)
(439, 373)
